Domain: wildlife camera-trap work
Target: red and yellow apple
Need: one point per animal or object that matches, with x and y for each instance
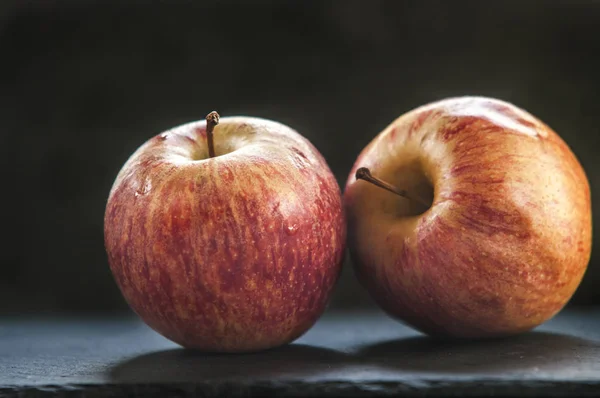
(229, 243)
(490, 231)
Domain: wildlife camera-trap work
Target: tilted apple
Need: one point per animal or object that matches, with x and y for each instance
(489, 230)
(226, 243)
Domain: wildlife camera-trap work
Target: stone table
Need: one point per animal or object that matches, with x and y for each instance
(347, 354)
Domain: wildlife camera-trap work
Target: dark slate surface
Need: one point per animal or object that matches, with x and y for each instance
(352, 354)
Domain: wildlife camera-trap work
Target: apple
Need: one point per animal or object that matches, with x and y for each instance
(488, 230)
(229, 241)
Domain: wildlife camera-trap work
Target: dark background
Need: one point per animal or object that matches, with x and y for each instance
(84, 83)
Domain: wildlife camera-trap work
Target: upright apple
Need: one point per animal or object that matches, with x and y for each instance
(226, 243)
(488, 231)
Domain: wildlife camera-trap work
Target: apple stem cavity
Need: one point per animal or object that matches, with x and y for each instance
(212, 119)
(364, 173)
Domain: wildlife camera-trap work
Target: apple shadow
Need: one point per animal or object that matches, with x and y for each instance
(181, 365)
(534, 352)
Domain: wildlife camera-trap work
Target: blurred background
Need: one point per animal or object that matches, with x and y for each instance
(83, 83)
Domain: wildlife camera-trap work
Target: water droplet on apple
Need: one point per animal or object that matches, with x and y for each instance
(292, 229)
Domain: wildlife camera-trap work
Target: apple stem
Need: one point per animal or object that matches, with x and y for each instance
(212, 119)
(364, 173)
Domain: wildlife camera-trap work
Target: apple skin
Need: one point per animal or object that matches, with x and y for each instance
(507, 238)
(234, 253)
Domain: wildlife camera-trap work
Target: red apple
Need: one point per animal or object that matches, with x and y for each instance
(230, 253)
(503, 238)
